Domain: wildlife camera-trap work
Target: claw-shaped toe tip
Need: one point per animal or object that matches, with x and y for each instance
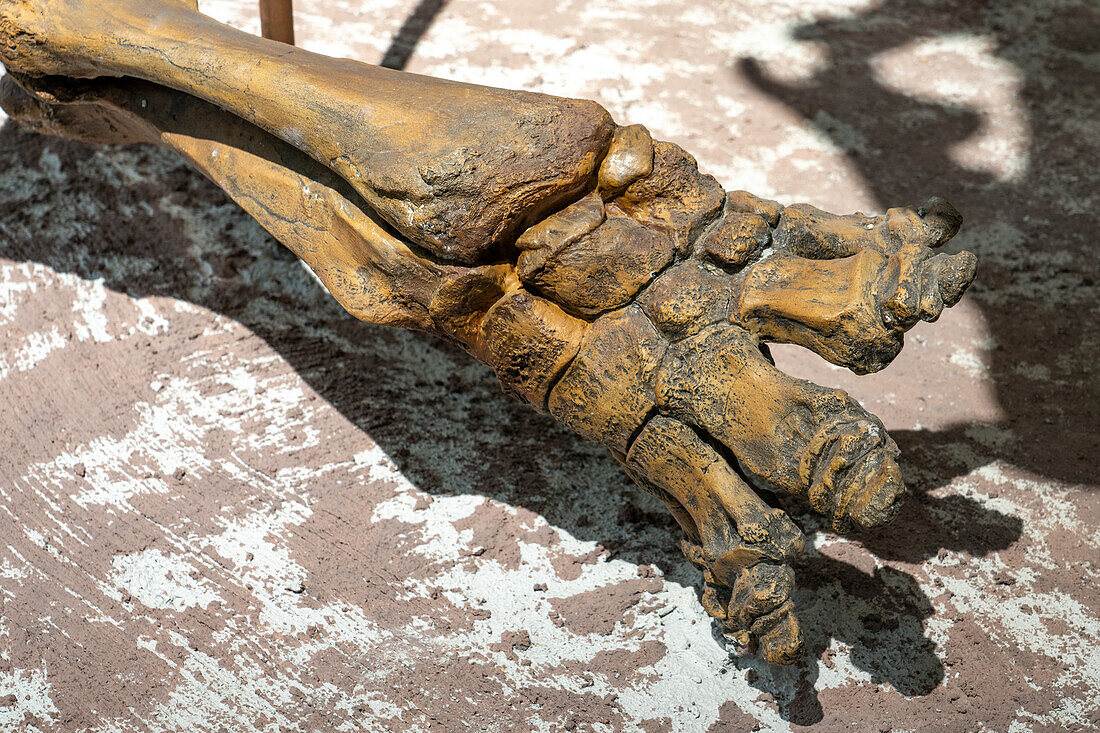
(760, 609)
(941, 220)
(956, 276)
(781, 638)
(879, 499)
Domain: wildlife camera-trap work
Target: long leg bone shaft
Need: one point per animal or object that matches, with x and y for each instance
(456, 168)
(373, 274)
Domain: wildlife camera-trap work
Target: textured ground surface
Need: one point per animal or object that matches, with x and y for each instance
(225, 506)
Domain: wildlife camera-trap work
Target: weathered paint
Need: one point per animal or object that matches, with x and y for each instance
(226, 505)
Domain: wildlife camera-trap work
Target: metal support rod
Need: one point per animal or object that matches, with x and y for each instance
(277, 20)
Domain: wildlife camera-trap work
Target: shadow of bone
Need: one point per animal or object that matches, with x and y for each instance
(158, 228)
(1033, 233)
(930, 523)
(439, 415)
(879, 616)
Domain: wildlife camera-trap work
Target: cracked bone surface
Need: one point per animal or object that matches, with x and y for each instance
(603, 277)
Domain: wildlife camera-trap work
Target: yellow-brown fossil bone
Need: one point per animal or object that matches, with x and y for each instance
(603, 277)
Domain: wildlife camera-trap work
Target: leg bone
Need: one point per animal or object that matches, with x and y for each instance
(457, 168)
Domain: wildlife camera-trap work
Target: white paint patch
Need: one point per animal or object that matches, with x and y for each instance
(693, 679)
(971, 363)
(942, 70)
(35, 348)
(162, 581)
(31, 690)
(150, 323)
(17, 281)
(90, 298)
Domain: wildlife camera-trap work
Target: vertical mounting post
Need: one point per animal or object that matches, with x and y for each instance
(277, 20)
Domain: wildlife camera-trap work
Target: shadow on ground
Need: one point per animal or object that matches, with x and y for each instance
(404, 42)
(880, 614)
(431, 427)
(1037, 289)
(370, 374)
(1034, 234)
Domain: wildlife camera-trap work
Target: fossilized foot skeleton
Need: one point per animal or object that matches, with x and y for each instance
(604, 278)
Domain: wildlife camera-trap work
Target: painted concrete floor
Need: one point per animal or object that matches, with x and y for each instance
(226, 506)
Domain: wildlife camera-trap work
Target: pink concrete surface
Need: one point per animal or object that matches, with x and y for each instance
(227, 506)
